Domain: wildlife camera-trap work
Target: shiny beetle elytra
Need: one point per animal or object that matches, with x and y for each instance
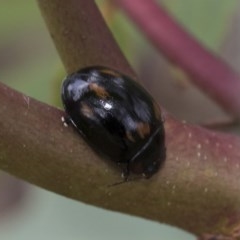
(117, 117)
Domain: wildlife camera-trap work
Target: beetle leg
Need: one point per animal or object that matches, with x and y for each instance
(125, 172)
(65, 120)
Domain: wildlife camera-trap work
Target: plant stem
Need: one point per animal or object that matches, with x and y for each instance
(197, 189)
(81, 36)
(207, 71)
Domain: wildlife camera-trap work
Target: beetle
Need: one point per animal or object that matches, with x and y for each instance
(117, 117)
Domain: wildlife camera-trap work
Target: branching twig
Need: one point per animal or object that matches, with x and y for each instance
(207, 71)
(198, 187)
(78, 32)
(199, 181)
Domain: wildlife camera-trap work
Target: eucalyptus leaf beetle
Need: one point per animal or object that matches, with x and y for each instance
(117, 117)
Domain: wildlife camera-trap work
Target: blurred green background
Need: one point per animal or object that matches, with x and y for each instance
(30, 64)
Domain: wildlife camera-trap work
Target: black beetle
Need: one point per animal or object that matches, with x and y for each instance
(117, 117)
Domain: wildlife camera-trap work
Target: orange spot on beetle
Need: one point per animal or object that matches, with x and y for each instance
(110, 72)
(86, 110)
(143, 129)
(130, 136)
(157, 111)
(100, 91)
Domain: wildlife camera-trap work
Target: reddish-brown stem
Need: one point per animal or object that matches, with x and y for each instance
(197, 188)
(78, 31)
(207, 71)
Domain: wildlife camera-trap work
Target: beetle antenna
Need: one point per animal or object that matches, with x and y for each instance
(124, 181)
(117, 183)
